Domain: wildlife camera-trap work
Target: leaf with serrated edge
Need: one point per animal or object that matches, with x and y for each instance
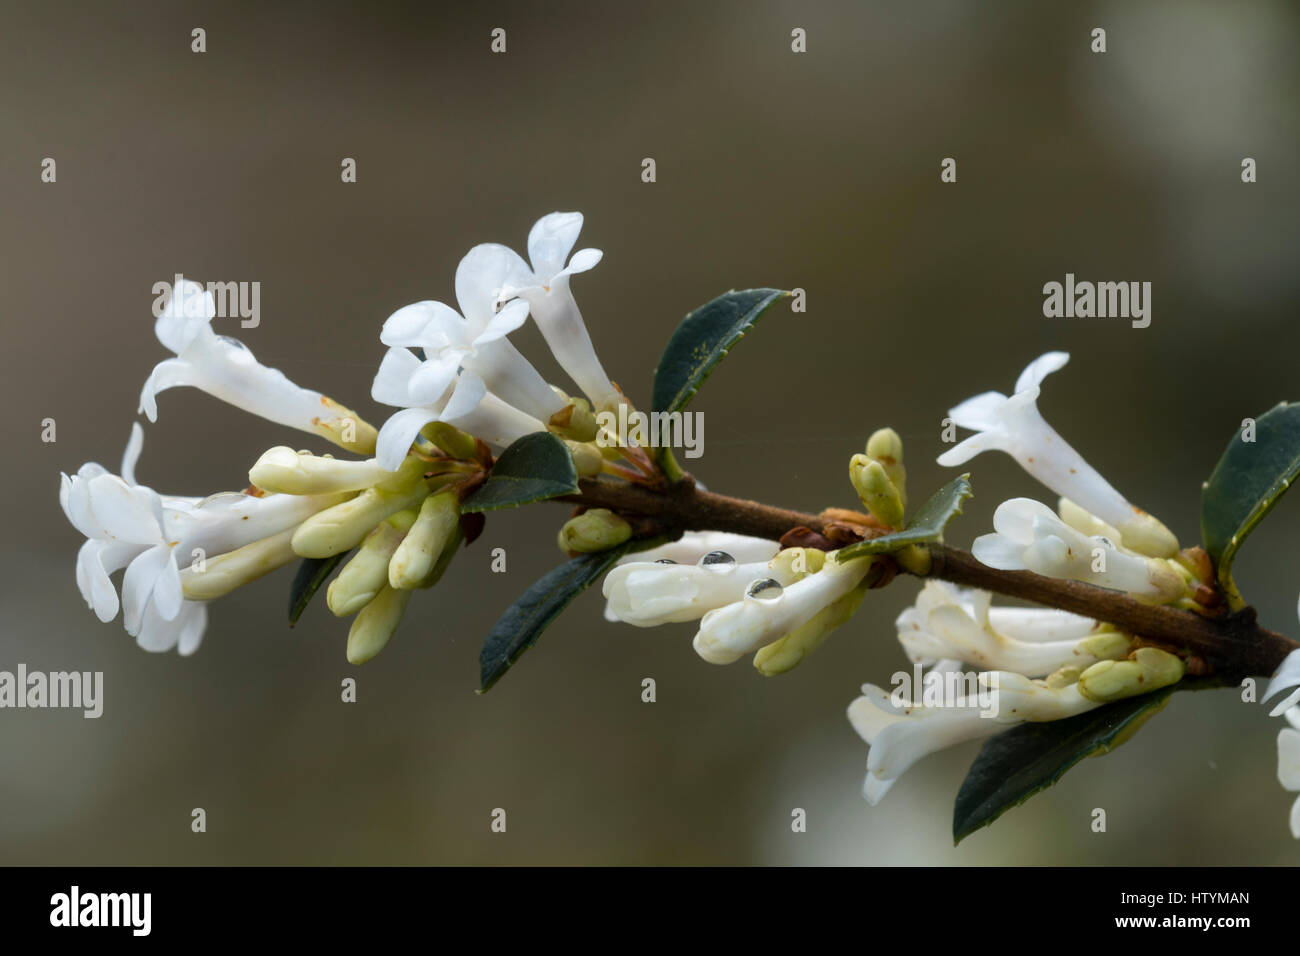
(702, 340)
(1246, 483)
(926, 525)
(534, 468)
(312, 573)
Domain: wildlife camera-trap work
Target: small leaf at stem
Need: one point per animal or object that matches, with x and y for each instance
(536, 467)
(926, 525)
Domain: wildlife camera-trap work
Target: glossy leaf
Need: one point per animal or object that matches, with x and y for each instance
(1245, 485)
(312, 573)
(536, 467)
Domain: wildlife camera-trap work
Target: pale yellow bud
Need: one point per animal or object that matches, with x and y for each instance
(373, 627)
(452, 440)
(415, 557)
(283, 470)
(1150, 670)
(788, 652)
(877, 492)
(886, 447)
(341, 527)
(587, 458)
(366, 572)
(596, 530)
(222, 574)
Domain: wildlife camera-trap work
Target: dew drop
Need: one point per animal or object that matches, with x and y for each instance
(768, 589)
(665, 561)
(719, 560)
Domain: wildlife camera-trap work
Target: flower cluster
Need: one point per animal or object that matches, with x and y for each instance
(461, 389)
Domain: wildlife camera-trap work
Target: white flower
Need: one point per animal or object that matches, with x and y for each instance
(544, 284)
(1285, 678)
(649, 593)
(1031, 537)
(225, 368)
(465, 402)
(1014, 425)
(130, 526)
(770, 610)
(950, 623)
(902, 732)
(1288, 763)
(477, 341)
(689, 549)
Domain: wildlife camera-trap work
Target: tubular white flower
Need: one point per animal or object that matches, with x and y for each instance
(1285, 678)
(1013, 425)
(948, 623)
(226, 369)
(130, 526)
(1288, 763)
(649, 593)
(1031, 537)
(901, 733)
(285, 471)
(769, 610)
(425, 396)
(477, 341)
(691, 547)
(544, 284)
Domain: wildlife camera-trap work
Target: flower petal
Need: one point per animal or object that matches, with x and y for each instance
(125, 512)
(469, 391)
(392, 384)
(397, 434)
(138, 585)
(1040, 368)
(512, 316)
(425, 324)
(550, 240)
(480, 277)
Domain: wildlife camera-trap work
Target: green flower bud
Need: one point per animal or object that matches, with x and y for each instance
(596, 530)
(366, 572)
(788, 652)
(419, 551)
(1063, 678)
(285, 471)
(452, 440)
(1084, 521)
(798, 562)
(1106, 645)
(878, 493)
(1150, 670)
(373, 627)
(587, 458)
(886, 447)
(575, 421)
(1147, 535)
(225, 572)
(341, 527)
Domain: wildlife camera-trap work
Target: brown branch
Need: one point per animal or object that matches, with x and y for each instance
(1233, 646)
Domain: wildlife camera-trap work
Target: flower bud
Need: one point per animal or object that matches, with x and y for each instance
(285, 471)
(1150, 669)
(878, 493)
(452, 440)
(366, 572)
(795, 563)
(419, 551)
(575, 421)
(337, 529)
(1145, 534)
(788, 652)
(225, 572)
(587, 458)
(1084, 521)
(596, 530)
(1106, 645)
(1063, 677)
(886, 447)
(373, 627)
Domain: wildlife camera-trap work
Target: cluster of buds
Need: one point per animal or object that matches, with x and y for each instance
(462, 391)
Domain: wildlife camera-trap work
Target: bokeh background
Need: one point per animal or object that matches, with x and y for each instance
(818, 170)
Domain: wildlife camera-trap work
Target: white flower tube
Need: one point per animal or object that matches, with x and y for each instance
(1013, 425)
(1285, 678)
(901, 733)
(226, 369)
(1030, 537)
(1288, 763)
(769, 610)
(544, 284)
(949, 624)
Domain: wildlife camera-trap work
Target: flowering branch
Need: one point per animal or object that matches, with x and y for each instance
(1232, 646)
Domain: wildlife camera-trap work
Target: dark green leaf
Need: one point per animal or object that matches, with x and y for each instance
(701, 341)
(524, 621)
(926, 525)
(536, 467)
(1015, 765)
(1245, 485)
(312, 573)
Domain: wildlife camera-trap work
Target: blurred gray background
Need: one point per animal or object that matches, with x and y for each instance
(818, 170)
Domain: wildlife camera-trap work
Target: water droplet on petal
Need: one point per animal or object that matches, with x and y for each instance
(665, 561)
(717, 559)
(768, 589)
